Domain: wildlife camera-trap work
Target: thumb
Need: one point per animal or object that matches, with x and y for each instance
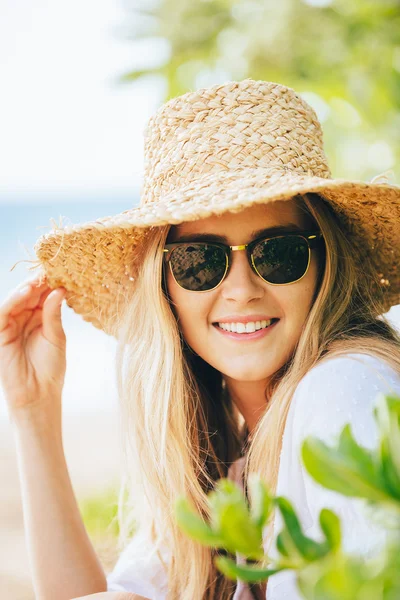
(53, 329)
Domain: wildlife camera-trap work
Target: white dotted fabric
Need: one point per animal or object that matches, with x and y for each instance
(139, 570)
(341, 390)
(338, 391)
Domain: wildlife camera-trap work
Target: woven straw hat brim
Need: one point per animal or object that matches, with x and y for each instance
(97, 262)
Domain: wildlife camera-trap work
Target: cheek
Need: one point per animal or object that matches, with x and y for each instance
(294, 302)
(189, 308)
(298, 299)
(311, 280)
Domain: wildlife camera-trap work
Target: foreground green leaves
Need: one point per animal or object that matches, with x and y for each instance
(324, 571)
(232, 525)
(354, 471)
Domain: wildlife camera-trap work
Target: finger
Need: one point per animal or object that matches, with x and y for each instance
(21, 313)
(22, 297)
(36, 298)
(53, 329)
(9, 333)
(44, 295)
(16, 298)
(34, 317)
(23, 323)
(20, 325)
(33, 322)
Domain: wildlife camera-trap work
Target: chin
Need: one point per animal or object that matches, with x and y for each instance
(249, 374)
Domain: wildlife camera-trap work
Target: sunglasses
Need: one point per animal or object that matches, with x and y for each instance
(279, 260)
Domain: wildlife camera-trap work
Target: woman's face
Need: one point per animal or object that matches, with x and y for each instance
(244, 294)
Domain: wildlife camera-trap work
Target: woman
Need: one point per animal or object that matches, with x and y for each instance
(240, 226)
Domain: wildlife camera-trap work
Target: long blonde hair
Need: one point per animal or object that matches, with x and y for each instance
(180, 430)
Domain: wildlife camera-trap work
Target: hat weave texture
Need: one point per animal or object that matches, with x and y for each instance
(218, 149)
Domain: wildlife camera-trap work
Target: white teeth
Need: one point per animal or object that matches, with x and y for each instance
(245, 328)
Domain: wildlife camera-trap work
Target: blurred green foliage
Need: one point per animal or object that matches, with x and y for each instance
(323, 570)
(99, 513)
(342, 56)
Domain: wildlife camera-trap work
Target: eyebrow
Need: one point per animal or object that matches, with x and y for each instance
(212, 237)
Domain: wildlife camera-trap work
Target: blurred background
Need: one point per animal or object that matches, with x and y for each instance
(79, 81)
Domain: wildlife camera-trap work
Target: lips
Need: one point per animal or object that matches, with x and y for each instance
(272, 319)
(244, 320)
(243, 337)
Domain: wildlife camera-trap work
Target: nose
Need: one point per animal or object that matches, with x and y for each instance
(241, 283)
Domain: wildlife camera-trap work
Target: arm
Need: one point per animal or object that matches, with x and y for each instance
(63, 561)
(32, 372)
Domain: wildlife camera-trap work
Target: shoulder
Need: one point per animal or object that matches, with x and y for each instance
(335, 392)
(340, 390)
(347, 371)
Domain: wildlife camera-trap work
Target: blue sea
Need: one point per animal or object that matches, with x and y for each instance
(21, 224)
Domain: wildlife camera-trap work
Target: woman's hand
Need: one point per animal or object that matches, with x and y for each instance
(112, 596)
(32, 349)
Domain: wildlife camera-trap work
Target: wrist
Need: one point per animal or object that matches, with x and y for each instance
(46, 422)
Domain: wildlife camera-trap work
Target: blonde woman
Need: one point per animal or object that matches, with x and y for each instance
(247, 293)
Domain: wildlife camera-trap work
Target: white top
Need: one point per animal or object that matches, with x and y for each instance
(339, 391)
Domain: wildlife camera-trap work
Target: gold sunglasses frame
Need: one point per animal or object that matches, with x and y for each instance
(311, 237)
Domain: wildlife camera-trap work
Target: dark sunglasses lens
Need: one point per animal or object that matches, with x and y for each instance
(281, 260)
(198, 267)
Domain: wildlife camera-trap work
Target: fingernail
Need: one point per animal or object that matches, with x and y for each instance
(24, 290)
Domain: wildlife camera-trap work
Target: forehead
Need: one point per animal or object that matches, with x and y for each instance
(245, 222)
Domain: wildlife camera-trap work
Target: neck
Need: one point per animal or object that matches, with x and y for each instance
(250, 399)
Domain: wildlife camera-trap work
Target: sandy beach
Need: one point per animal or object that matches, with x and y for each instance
(91, 444)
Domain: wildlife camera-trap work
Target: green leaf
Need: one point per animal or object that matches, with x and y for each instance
(390, 473)
(248, 573)
(390, 573)
(330, 526)
(308, 548)
(261, 503)
(99, 513)
(194, 526)
(283, 543)
(387, 415)
(230, 519)
(335, 577)
(347, 469)
(356, 454)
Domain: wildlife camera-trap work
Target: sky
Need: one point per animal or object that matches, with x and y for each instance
(66, 126)
(71, 144)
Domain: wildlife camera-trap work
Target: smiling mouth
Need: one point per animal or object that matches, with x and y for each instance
(266, 325)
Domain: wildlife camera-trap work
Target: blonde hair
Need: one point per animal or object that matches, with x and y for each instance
(180, 430)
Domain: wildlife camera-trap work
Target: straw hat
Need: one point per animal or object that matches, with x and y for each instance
(218, 149)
